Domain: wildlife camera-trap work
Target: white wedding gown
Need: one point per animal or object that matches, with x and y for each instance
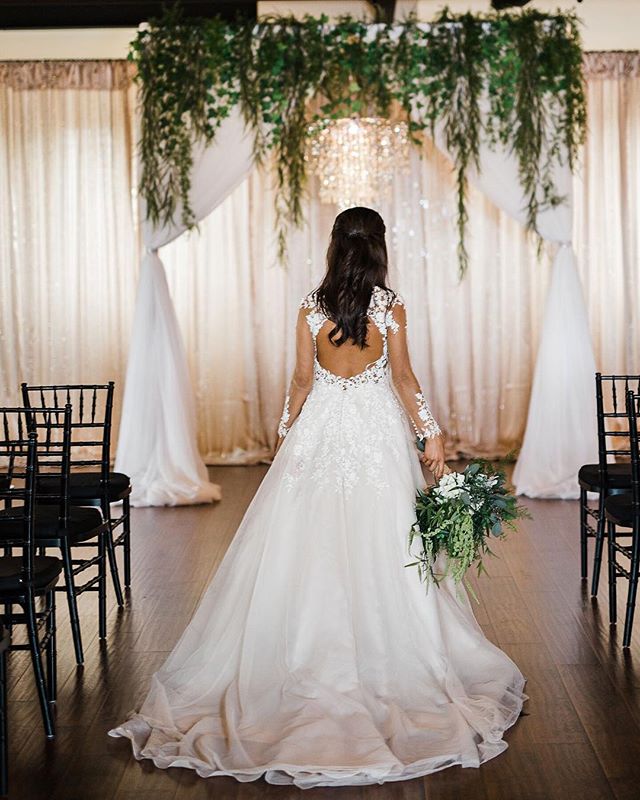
(316, 657)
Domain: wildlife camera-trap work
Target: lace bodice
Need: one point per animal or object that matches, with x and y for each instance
(380, 313)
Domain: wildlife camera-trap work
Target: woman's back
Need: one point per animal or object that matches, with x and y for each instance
(349, 359)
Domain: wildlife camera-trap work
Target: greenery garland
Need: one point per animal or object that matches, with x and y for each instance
(285, 73)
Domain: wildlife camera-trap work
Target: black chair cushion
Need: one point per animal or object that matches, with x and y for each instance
(619, 476)
(46, 571)
(619, 509)
(86, 485)
(82, 523)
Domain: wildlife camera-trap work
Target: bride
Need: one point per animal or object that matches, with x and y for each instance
(315, 657)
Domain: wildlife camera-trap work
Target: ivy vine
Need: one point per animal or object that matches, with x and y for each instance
(514, 78)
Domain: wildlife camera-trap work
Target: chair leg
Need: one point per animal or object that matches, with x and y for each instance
(126, 510)
(102, 587)
(583, 534)
(8, 608)
(4, 738)
(613, 595)
(633, 590)
(597, 556)
(111, 553)
(8, 611)
(34, 647)
(51, 649)
(72, 601)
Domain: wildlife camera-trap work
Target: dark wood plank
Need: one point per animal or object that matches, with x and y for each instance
(546, 772)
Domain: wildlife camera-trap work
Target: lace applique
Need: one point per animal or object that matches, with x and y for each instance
(343, 440)
(381, 313)
(430, 427)
(390, 320)
(391, 323)
(282, 425)
(373, 373)
(315, 319)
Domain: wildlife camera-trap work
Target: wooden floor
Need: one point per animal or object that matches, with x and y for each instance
(580, 739)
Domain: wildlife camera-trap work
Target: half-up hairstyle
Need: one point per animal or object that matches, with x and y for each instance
(356, 264)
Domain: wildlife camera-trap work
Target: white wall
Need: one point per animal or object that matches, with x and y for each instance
(608, 25)
(84, 43)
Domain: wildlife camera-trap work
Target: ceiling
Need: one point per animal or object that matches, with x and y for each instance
(109, 13)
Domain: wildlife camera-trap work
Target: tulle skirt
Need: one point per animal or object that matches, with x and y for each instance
(316, 657)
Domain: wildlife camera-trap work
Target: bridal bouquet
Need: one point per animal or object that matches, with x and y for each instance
(458, 516)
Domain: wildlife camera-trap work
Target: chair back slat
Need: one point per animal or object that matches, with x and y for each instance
(633, 412)
(92, 410)
(18, 468)
(14, 445)
(52, 427)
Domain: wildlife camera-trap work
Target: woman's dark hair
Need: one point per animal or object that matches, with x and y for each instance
(356, 263)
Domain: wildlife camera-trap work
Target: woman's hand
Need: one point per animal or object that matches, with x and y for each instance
(433, 456)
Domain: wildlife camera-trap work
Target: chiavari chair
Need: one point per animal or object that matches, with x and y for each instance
(27, 576)
(78, 533)
(92, 482)
(610, 475)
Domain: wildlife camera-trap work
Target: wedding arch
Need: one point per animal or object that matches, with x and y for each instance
(501, 94)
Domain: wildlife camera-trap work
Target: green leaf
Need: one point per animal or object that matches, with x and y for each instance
(529, 63)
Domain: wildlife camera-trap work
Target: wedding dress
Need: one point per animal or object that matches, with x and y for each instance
(316, 657)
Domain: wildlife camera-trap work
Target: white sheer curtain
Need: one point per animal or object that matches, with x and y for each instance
(68, 239)
(607, 214)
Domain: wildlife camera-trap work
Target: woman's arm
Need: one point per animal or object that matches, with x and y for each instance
(302, 379)
(410, 393)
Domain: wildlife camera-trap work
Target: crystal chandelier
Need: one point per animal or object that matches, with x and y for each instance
(355, 158)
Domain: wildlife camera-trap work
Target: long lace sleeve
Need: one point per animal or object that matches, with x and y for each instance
(302, 379)
(404, 380)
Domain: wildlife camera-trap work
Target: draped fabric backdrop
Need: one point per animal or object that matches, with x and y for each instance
(69, 246)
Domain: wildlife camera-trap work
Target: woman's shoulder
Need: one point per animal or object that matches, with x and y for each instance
(385, 297)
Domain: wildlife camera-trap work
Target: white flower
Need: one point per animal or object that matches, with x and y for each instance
(450, 486)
